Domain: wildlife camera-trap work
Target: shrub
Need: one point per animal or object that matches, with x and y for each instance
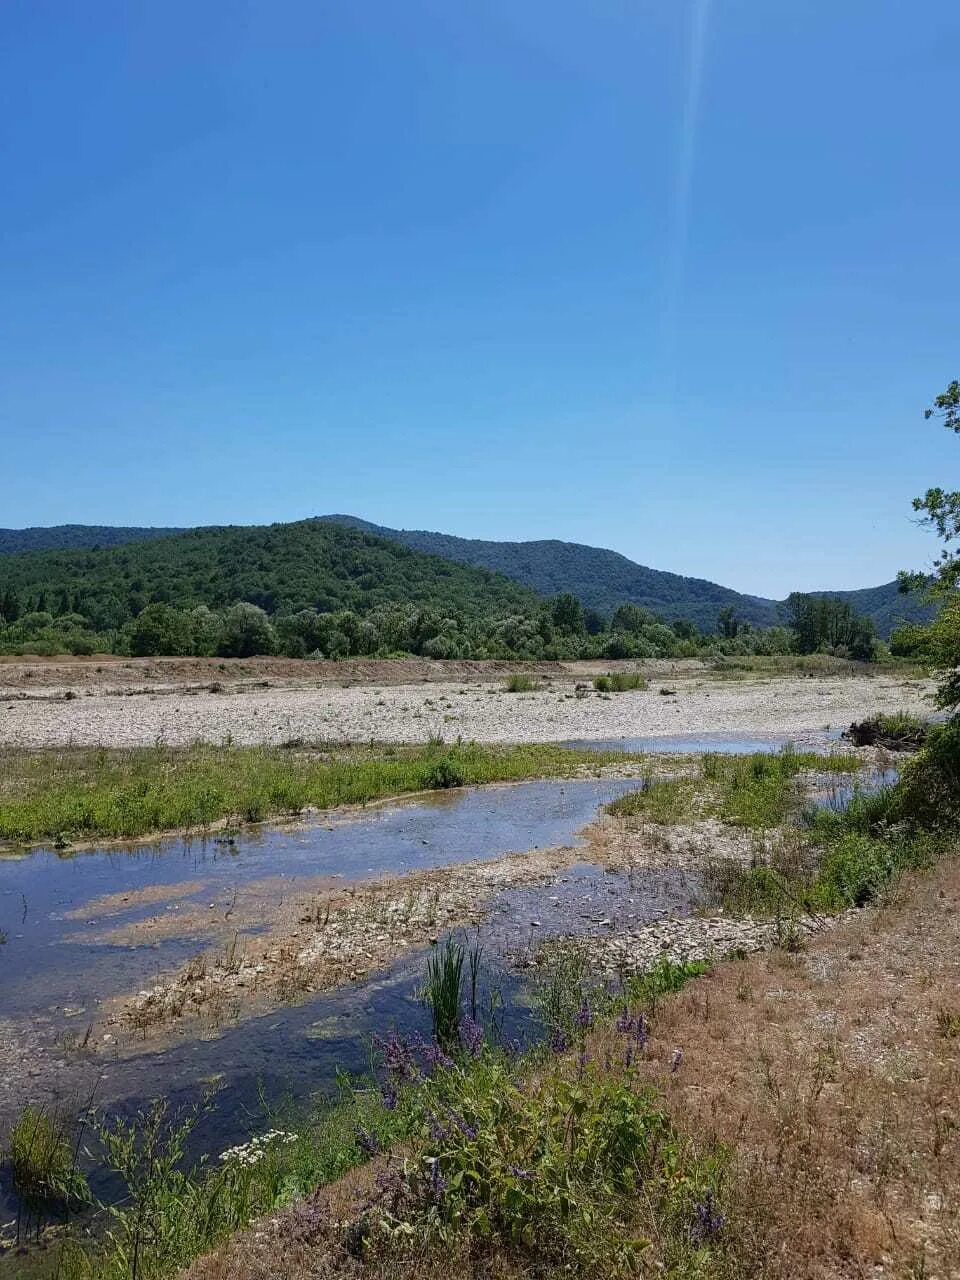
(445, 773)
(928, 794)
(551, 1170)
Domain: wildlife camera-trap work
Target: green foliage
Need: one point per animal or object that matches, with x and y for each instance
(552, 1170)
(758, 791)
(520, 683)
(661, 800)
(827, 624)
(928, 793)
(43, 1164)
(444, 774)
(941, 512)
(444, 990)
(619, 682)
(91, 792)
(159, 628)
(172, 1211)
(560, 989)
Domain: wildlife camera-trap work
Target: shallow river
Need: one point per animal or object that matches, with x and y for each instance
(55, 965)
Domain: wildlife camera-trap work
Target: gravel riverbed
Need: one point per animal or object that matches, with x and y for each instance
(688, 703)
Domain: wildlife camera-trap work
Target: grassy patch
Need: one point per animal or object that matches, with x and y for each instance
(70, 795)
(661, 800)
(520, 683)
(619, 682)
(43, 1165)
(759, 791)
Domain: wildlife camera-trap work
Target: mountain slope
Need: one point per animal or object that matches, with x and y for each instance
(299, 565)
(63, 537)
(604, 579)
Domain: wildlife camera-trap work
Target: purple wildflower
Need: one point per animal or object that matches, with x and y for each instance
(438, 1132)
(624, 1023)
(471, 1035)
(558, 1041)
(368, 1142)
(468, 1130)
(676, 1060)
(398, 1056)
(438, 1183)
(583, 1017)
(628, 1057)
(388, 1092)
(520, 1173)
(434, 1056)
(582, 1060)
(643, 1031)
(708, 1220)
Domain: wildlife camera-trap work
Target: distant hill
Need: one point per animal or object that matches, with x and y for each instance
(306, 564)
(275, 564)
(605, 579)
(63, 537)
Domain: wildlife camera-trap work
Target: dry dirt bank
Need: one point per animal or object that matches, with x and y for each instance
(476, 709)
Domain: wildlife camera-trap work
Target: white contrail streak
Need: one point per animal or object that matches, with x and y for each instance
(683, 187)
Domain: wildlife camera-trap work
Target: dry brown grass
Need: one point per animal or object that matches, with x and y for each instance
(833, 1078)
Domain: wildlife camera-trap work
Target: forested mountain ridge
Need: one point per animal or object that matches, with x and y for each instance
(307, 564)
(600, 578)
(604, 579)
(64, 537)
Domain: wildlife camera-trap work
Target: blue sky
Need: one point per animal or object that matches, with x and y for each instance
(671, 276)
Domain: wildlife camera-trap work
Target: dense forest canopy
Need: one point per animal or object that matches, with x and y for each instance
(324, 590)
(601, 579)
(604, 579)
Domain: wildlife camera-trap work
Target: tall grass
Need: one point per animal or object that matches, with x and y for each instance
(619, 682)
(72, 795)
(520, 683)
(444, 991)
(43, 1161)
(661, 800)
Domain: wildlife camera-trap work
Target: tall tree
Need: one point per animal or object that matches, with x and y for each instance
(941, 512)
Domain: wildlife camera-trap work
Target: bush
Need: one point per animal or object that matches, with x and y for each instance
(928, 792)
(551, 1170)
(443, 774)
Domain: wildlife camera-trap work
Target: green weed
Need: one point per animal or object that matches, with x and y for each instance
(661, 800)
(444, 991)
(81, 794)
(520, 683)
(619, 682)
(43, 1163)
